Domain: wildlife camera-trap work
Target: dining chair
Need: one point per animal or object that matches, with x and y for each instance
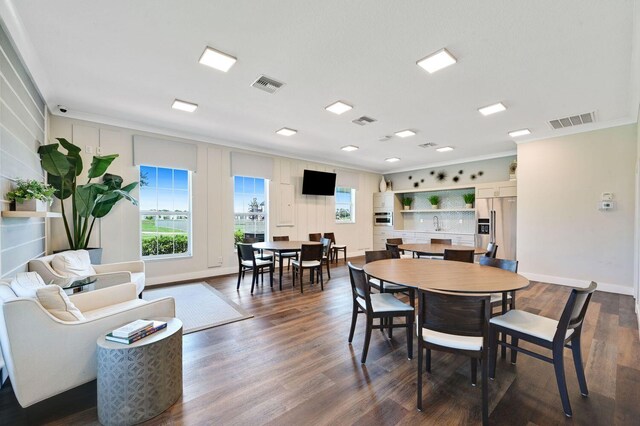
(326, 254)
(335, 250)
(492, 250)
(248, 261)
(261, 255)
(458, 323)
(287, 254)
(380, 306)
(459, 255)
(315, 237)
(548, 333)
(507, 265)
(381, 286)
(310, 258)
(395, 242)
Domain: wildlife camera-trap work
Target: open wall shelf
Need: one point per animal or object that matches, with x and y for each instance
(9, 213)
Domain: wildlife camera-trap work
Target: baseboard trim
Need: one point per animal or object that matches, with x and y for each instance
(638, 315)
(572, 282)
(207, 273)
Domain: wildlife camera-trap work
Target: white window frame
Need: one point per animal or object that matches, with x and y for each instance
(143, 213)
(352, 206)
(265, 212)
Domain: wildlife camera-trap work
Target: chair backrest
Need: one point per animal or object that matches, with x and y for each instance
(441, 241)
(326, 246)
(396, 241)
(330, 236)
(250, 240)
(315, 237)
(372, 256)
(455, 313)
(459, 255)
(311, 252)
(506, 264)
(575, 310)
(360, 284)
(245, 252)
(492, 250)
(395, 251)
(281, 238)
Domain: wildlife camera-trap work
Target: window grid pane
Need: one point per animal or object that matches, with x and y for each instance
(250, 208)
(345, 205)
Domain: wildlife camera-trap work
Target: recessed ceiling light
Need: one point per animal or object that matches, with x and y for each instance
(184, 106)
(216, 59)
(349, 148)
(444, 149)
(436, 61)
(338, 107)
(405, 133)
(286, 132)
(392, 159)
(516, 133)
(492, 109)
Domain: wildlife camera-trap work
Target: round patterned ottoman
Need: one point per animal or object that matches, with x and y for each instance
(139, 381)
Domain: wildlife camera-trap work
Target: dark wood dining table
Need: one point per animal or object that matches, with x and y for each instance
(438, 249)
(282, 247)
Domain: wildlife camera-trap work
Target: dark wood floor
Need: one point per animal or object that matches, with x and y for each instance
(291, 365)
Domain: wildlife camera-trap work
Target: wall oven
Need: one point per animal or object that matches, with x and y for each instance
(383, 219)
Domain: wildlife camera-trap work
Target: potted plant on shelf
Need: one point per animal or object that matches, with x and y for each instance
(89, 201)
(406, 202)
(31, 195)
(434, 200)
(469, 199)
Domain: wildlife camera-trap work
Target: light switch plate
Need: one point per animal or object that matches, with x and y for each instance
(607, 196)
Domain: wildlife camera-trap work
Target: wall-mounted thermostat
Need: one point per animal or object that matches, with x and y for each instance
(606, 205)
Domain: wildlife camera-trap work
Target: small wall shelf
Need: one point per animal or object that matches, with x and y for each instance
(9, 213)
(437, 210)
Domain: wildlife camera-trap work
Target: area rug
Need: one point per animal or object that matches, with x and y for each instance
(199, 306)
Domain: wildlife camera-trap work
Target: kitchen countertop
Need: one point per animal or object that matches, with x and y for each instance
(433, 232)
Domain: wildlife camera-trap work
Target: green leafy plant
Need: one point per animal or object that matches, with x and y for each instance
(406, 201)
(434, 200)
(30, 189)
(165, 244)
(469, 198)
(89, 201)
(238, 236)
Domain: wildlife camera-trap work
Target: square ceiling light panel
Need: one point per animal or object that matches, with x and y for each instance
(437, 61)
(215, 59)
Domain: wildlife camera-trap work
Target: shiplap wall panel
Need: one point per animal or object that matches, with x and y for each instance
(22, 129)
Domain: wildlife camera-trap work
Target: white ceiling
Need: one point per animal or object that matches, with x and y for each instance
(125, 62)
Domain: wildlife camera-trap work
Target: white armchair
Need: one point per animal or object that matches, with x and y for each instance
(45, 356)
(107, 275)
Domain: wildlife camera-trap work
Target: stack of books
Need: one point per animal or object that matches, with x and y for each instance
(135, 331)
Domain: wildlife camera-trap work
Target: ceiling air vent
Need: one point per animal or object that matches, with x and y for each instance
(363, 120)
(427, 145)
(385, 138)
(267, 84)
(574, 120)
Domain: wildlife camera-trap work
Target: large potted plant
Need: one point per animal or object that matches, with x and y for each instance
(89, 201)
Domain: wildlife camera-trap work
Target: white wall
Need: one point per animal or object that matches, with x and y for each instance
(562, 236)
(493, 170)
(212, 186)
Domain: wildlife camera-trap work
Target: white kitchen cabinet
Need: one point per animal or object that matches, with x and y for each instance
(383, 201)
(286, 212)
(497, 189)
(380, 235)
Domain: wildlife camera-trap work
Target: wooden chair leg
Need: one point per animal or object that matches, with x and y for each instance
(391, 328)
(485, 389)
(419, 376)
(345, 255)
(514, 353)
(409, 322)
(254, 280)
(301, 273)
(558, 365)
(493, 352)
(240, 275)
(321, 277)
(577, 360)
(428, 361)
(367, 339)
(474, 371)
(354, 318)
(271, 276)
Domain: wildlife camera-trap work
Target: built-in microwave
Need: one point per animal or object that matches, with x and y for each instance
(383, 219)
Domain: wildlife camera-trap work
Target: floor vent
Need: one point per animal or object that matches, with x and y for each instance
(427, 145)
(267, 84)
(574, 120)
(364, 120)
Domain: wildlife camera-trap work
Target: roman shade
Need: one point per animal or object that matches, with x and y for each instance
(164, 153)
(243, 164)
(345, 179)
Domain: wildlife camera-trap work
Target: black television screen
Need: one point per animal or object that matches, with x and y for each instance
(318, 183)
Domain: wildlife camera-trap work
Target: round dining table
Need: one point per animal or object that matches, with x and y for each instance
(438, 249)
(428, 274)
(282, 247)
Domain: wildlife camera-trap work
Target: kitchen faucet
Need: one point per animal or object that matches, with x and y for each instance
(436, 223)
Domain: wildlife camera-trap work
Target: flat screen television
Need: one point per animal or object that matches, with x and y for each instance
(318, 183)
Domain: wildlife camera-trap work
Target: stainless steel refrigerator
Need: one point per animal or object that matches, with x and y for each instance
(496, 222)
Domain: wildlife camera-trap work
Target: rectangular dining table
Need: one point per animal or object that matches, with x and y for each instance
(282, 247)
